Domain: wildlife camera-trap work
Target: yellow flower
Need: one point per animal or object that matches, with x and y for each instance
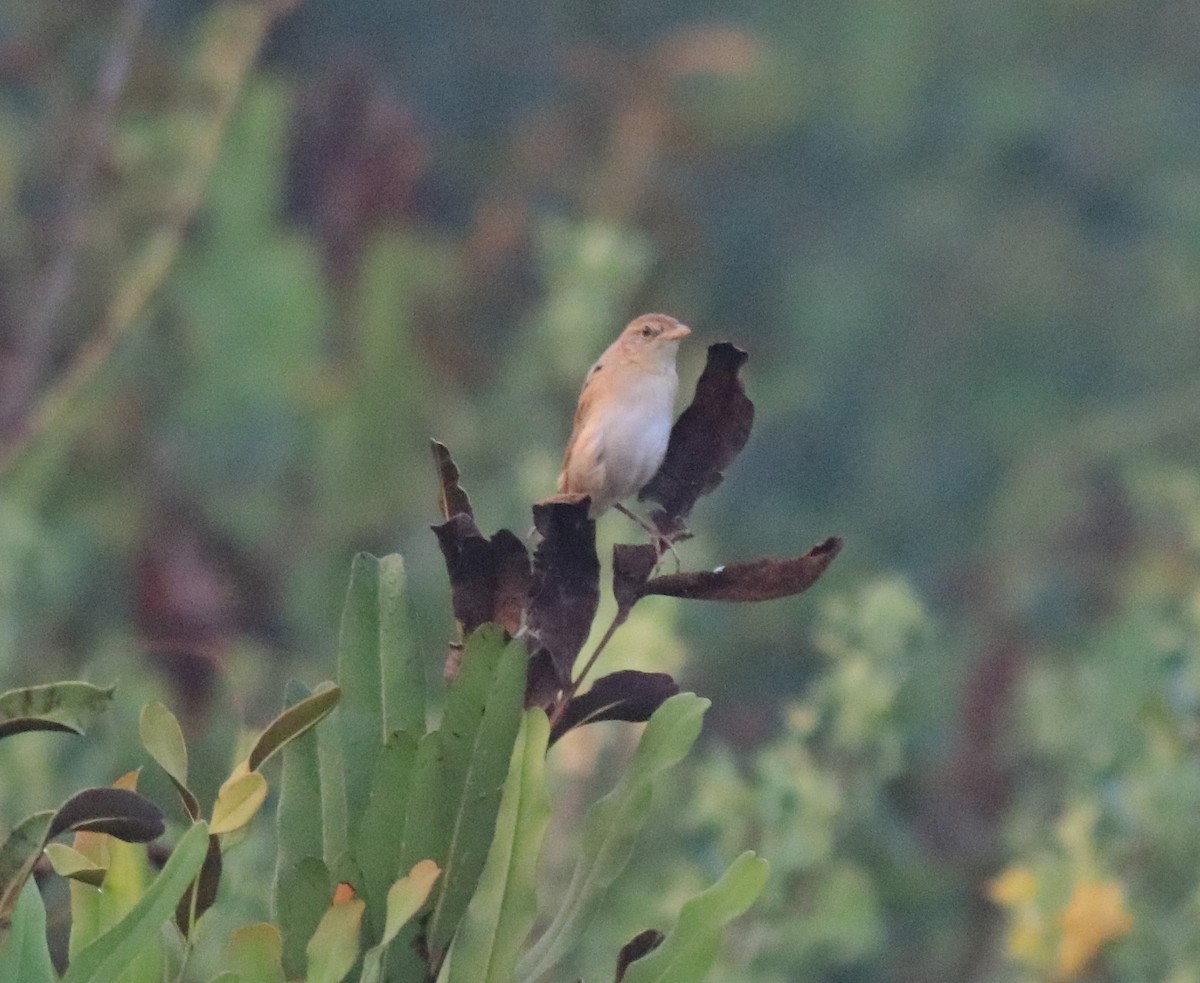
(1016, 891)
(1015, 887)
(1095, 915)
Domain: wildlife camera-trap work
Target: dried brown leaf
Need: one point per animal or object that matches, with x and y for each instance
(203, 888)
(761, 580)
(632, 566)
(451, 498)
(640, 945)
(470, 564)
(514, 577)
(706, 438)
(566, 582)
(489, 578)
(629, 695)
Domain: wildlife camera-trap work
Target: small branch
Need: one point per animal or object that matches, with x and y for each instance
(230, 50)
(57, 282)
(617, 621)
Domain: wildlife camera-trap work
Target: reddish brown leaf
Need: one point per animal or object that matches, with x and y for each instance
(542, 684)
(706, 438)
(640, 945)
(628, 695)
(204, 887)
(489, 578)
(513, 580)
(566, 582)
(761, 580)
(451, 498)
(118, 812)
(470, 564)
(632, 566)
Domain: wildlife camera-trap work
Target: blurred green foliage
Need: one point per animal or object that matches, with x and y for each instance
(960, 243)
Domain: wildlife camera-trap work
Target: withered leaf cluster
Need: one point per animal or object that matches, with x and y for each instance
(551, 598)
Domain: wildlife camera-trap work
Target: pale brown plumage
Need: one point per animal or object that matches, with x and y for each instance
(623, 420)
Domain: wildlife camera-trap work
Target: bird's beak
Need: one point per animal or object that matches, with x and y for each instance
(677, 333)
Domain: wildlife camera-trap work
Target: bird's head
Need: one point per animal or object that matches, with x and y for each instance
(652, 339)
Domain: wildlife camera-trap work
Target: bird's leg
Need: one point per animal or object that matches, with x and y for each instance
(662, 543)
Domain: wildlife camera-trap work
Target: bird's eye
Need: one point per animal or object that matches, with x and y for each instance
(647, 331)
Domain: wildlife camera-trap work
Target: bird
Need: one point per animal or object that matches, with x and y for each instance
(623, 420)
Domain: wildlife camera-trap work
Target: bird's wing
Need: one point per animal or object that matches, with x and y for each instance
(569, 478)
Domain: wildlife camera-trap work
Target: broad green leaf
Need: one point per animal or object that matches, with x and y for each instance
(162, 737)
(298, 817)
(238, 802)
(299, 845)
(255, 953)
(504, 906)
(380, 832)
(69, 862)
(302, 894)
(611, 828)
(360, 675)
(403, 668)
(295, 721)
(333, 949)
(483, 714)
(687, 953)
(426, 827)
(24, 956)
(331, 764)
(381, 676)
(404, 900)
(108, 957)
(70, 706)
(17, 857)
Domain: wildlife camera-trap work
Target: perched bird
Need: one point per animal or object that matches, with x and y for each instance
(623, 420)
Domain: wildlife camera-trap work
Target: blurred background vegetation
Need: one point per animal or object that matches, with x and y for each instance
(253, 256)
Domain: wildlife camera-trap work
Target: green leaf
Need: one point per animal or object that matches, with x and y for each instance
(360, 674)
(69, 862)
(483, 714)
(380, 833)
(504, 906)
(302, 894)
(404, 899)
(611, 828)
(17, 857)
(24, 956)
(70, 706)
(331, 765)
(690, 948)
(381, 677)
(162, 737)
(333, 948)
(255, 953)
(295, 721)
(107, 958)
(301, 879)
(238, 802)
(426, 827)
(298, 817)
(403, 668)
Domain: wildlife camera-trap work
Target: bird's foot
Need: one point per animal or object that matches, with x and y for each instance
(663, 542)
